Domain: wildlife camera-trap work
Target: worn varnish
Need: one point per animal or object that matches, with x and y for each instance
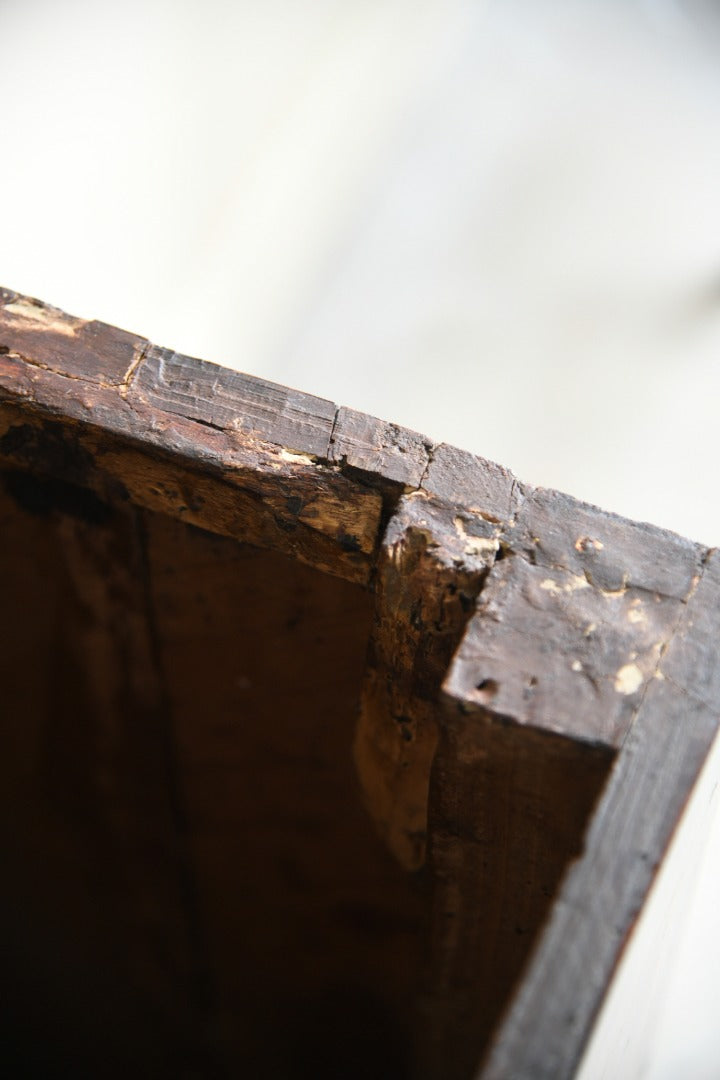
(327, 750)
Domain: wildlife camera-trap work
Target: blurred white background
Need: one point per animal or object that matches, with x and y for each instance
(497, 223)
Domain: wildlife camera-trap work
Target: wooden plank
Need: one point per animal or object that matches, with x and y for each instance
(594, 914)
(568, 634)
(573, 649)
(231, 400)
(611, 552)
(305, 914)
(45, 337)
(649, 991)
(469, 481)
(103, 965)
(507, 813)
(229, 481)
(431, 567)
(546, 649)
(378, 451)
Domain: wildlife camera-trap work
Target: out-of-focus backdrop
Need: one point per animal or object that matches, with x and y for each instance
(497, 223)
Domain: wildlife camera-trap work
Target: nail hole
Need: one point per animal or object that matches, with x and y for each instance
(487, 689)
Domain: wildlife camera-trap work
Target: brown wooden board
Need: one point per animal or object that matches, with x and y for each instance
(339, 752)
(596, 909)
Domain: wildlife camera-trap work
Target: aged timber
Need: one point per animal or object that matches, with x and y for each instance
(331, 750)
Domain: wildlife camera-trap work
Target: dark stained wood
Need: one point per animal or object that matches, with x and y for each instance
(383, 453)
(46, 337)
(300, 901)
(256, 495)
(232, 401)
(242, 480)
(101, 953)
(594, 913)
(472, 483)
(548, 650)
(567, 640)
(431, 567)
(506, 816)
(610, 552)
(318, 735)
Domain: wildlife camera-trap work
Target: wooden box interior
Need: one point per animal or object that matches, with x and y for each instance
(327, 751)
(191, 862)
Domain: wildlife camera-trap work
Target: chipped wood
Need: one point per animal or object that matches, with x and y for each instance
(594, 913)
(402, 729)
(430, 569)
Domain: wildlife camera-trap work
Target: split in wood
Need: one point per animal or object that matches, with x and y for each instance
(226, 602)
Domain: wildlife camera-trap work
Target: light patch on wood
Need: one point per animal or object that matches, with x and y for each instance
(628, 679)
(478, 545)
(44, 317)
(296, 459)
(575, 582)
(636, 614)
(586, 543)
(475, 545)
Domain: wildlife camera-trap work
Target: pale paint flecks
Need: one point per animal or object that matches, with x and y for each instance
(628, 679)
(636, 614)
(575, 582)
(46, 317)
(296, 459)
(475, 545)
(586, 543)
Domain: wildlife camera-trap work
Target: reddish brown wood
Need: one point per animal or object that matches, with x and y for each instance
(326, 750)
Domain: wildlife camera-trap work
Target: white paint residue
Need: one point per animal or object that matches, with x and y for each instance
(479, 545)
(475, 545)
(576, 581)
(636, 614)
(45, 317)
(296, 459)
(628, 679)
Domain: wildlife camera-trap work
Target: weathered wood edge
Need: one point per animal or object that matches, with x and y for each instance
(322, 489)
(86, 372)
(592, 918)
(251, 440)
(45, 342)
(90, 418)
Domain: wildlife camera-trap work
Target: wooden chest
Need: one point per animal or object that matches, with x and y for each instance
(326, 751)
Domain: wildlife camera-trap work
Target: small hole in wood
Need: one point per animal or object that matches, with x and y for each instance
(487, 689)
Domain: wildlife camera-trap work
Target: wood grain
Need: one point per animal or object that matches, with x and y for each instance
(230, 400)
(595, 912)
(319, 734)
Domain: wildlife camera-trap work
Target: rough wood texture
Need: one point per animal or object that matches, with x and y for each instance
(232, 401)
(312, 726)
(89, 825)
(113, 437)
(430, 569)
(631, 828)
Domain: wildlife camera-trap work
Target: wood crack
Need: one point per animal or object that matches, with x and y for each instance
(430, 449)
(134, 368)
